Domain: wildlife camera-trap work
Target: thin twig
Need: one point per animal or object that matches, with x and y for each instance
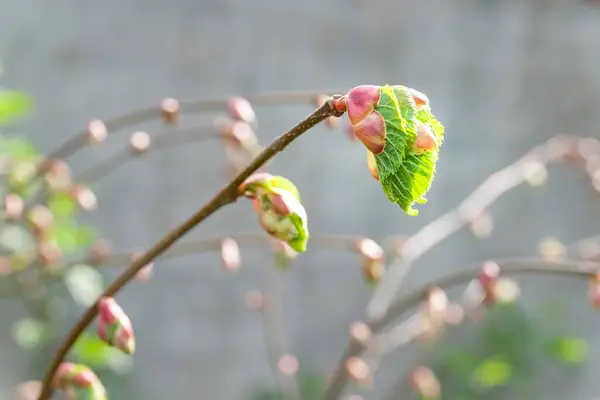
(575, 268)
(335, 242)
(274, 335)
(441, 228)
(272, 99)
(161, 142)
(227, 195)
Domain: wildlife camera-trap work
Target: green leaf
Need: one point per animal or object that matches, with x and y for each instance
(62, 204)
(569, 349)
(493, 372)
(298, 243)
(29, 333)
(13, 105)
(405, 176)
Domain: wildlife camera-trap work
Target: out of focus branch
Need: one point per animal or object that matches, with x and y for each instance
(534, 162)
(572, 268)
(272, 99)
(334, 242)
(283, 365)
(530, 168)
(130, 153)
(227, 195)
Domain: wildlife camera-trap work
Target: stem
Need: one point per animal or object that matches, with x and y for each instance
(178, 137)
(344, 243)
(575, 268)
(273, 98)
(227, 195)
(274, 336)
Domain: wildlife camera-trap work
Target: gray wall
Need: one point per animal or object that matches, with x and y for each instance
(502, 76)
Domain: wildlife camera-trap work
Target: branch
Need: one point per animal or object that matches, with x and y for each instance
(441, 228)
(337, 242)
(574, 268)
(273, 98)
(164, 141)
(227, 195)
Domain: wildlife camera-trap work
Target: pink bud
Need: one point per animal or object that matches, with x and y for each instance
(85, 198)
(488, 277)
(49, 253)
(371, 132)
(254, 179)
(114, 326)
(140, 142)
(367, 123)
(373, 260)
(424, 383)
(75, 375)
(239, 133)
(420, 99)
(358, 369)
(241, 109)
(288, 365)
(99, 251)
(58, 175)
(425, 140)
(436, 302)
(280, 204)
(40, 218)
(490, 271)
(14, 206)
(372, 165)
(255, 300)
(360, 332)
(96, 132)
(230, 254)
(170, 110)
(29, 390)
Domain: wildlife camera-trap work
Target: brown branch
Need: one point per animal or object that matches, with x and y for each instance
(344, 243)
(227, 195)
(400, 307)
(161, 142)
(273, 98)
(441, 228)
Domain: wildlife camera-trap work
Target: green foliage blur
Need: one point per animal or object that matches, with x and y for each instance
(45, 295)
(505, 355)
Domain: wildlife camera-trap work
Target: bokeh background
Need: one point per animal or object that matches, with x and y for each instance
(502, 76)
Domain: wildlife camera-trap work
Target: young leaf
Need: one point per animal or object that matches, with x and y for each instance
(396, 125)
(404, 174)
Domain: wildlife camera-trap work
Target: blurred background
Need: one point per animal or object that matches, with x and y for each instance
(503, 76)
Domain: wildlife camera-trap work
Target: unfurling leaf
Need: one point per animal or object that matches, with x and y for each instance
(277, 204)
(114, 326)
(70, 375)
(396, 125)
